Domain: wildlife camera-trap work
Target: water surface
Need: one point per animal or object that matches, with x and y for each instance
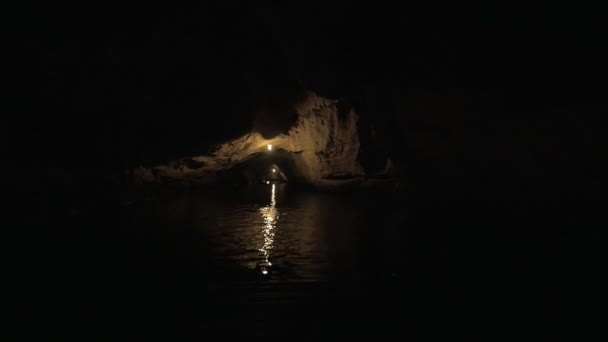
(278, 233)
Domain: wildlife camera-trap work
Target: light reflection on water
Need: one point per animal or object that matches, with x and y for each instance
(295, 235)
(291, 235)
(270, 215)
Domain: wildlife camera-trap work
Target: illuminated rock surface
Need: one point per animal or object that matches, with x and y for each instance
(323, 144)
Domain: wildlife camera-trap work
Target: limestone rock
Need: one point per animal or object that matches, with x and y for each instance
(324, 144)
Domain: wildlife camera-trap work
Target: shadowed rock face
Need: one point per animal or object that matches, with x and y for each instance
(323, 144)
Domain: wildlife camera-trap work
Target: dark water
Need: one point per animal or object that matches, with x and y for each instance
(257, 262)
(279, 234)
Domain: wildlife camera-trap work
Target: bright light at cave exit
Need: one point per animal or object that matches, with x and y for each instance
(270, 216)
(269, 147)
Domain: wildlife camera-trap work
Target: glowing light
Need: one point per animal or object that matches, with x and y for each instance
(269, 147)
(274, 170)
(267, 182)
(270, 214)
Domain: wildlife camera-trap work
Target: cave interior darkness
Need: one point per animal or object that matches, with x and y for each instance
(477, 127)
(258, 169)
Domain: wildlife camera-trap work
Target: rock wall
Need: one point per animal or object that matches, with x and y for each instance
(324, 145)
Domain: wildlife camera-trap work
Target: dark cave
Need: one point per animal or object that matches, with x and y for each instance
(439, 170)
(258, 169)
